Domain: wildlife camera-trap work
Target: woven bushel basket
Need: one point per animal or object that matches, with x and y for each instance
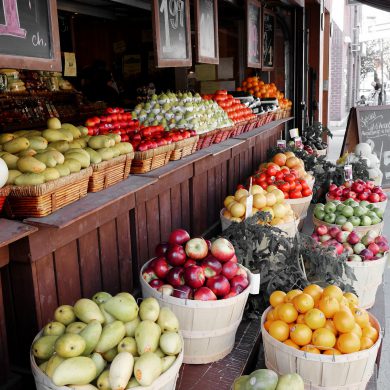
(184, 148)
(238, 128)
(151, 159)
(223, 134)
(4, 192)
(206, 139)
(43, 199)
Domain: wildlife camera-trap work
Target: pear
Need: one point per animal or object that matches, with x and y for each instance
(110, 354)
(120, 370)
(101, 297)
(79, 370)
(149, 309)
(87, 310)
(75, 327)
(69, 345)
(122, 308)
(54, 329)
(43, 348)
(52, 364)
(147, 336)
(147, 368)
(131, 325)
(166, 362)
(111, 335)
(100, 363)
(65, 314)
(103, 382)
(91, 335)
(128, 344)
(171, 343)
(167, 320)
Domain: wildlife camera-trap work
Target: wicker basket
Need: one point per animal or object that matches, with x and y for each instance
(238, 128)
(108, 173)
(300, 206)
(261, 119)
(223, 134)
(208, 328)
(380, 205)
(251, 124)
(270, 117)
(151, 159)
(279, 114)
(4, 192)
(361, 230)
(184, 148)
(206, 139)
(43, 199)
(320, 372)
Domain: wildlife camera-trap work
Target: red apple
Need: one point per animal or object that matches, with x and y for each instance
(353, 238)
(357, 187)
(176, 255)
(208, 244)
(194, 276)
(148, 274)
(189, 262)
(222, 249)
(175, 276)
(325, 237)
(156, 283)
(239, 281)
(234, 259)
(242, 272)
(374, 198)
(211, 266)
(315, 237)
(342, 236)
(382, 197)
(322, 230)
(366, 254)
(348, 248)
(179, 237)
(383, 246)
(234, 291)
(363, 195)
(374, 248)
(183, 292)
(162, 248)
(352, 194)
(197, 248)
(333, 231)
(204, 294)
(166, 289)
(338, 248)
(229, 269)
(161, 267)
(332, 187)
(219, 285)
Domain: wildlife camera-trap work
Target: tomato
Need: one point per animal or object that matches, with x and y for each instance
(292, 186)
(289, 178)
(271, 171)
(306, 192)
(270, 180)
(295, 194)
(298, 186)
(262, 177)
(284, 186)
(279, 175)
(264, 185)
(286, 195)
(304, 183)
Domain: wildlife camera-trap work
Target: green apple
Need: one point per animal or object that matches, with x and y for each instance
(330, 208)
(335, 201)
(347, 211)
(330, 218)
(359, 211)
(375, 221)
(340, 220)
(319, 206)
(371, 206)
(364, 203)
(340, 207)
(354, 220)
(348, 202)
(319, 214)
(365, 221)
(379, 212)
(371, 214)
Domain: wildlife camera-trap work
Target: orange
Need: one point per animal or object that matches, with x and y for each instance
(271, 315)
(311, 349)
(291, 295)
(365, 343)
(289, 154)
(352, 298)
(357, 330)
(371, 332)
(361, 316)
(330, 325)
(348, 343)
(329, 306)
(301, 334)
(333, 291)
(287, 312)
(323, 338)
(292, 162)
(276, 298)
(303, 302)
(290, 343)
(267, 324)
(279, 330)
(315, 319)
(314, 290)
(343, 322)
(301, 319)
(332, 351)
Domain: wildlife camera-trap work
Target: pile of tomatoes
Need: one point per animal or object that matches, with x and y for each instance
(235, 110)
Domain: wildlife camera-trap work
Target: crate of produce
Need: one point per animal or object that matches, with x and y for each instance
(184, 148)
(206, 139)
(108, 173)
(239, 128)
(4, 192)
(44, 199)
(270, 117)
(300, 205)
(149, 160)
(251, 124)
(223, 134)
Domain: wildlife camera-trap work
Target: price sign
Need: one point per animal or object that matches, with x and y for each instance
(268, 40)
(172, 35)
(298, 142)
(253, 24)
(206, 16)
(29, 36)
(348, 174)
(281, 143)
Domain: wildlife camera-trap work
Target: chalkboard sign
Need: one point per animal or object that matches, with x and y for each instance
(253, 23)
(206, 16)
(29, 37)
(268, 39)
(172, 34)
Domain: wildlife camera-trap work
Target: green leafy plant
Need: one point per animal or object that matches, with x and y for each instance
(313, 135)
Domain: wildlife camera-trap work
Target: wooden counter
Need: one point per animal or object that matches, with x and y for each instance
(101, 241)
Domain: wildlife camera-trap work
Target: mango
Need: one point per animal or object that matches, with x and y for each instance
(166, 362)
(128, 344)
(75, 327)
(120, 370)
(38, 142)
(100, 141)
(110, 354)
(108, 318)
(147, 336)
(103, 382)
(43, 348)
(171, 343)
(73, 165)
(27, 152)
(84, 160)
(51, 158)
(43, 366)
(111, 335)
(30, 165)
(132, 383)
(65, 314)
(115, 137)
(78, 143)
(63, 170)
(16, 145)
(101, 297)
(51, 174)
(61, 146)
(83, 130)
(87, 310)
(149, 309)
(6, 137)
(125, 147)
(147, 368)
(159, 353)
(116, 152)
(32, 133)
(77, 371)
(53, 123)
(67, 133)
(131, 326)
(83, 387)
(91, 335)
(29, 179)
(126, 295)
(55, 135)
(167, 320)
(99, 362)
(54, 329)
(10, 160)
(12, 175)
(52, 364)
(73, 129)
(69, 345)
(21, 133)
(122, 308)
(106, 153)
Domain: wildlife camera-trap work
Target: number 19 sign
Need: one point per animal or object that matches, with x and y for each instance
(172, 35)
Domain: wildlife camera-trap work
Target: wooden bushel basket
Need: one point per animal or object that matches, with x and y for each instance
(300, 206)
(4, 192)
(184, 148)
(208, 327)
(151, 159)
(320, 372)
(166, 381)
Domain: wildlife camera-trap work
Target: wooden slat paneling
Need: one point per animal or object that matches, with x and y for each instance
(4, 366)
(165, 212)
(124, 252)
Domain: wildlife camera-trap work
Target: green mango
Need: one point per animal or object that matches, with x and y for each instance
(116, 137)
(120, 370)
(99, 362)
(94, 156)
(262, 379)
(91, 334)
(87, 310)
(128, 344)
(103, 382)
(109, 356)
(43, 348)
(65, 314)
(6, 137)
(100, 141)
(106, 154)
(75, 327)
(43, 366)
(27, 152)
(16, 145)
(132, 383)
(10, 159)
(54, 329)
(122, 308)
(108, 318)
(54, 135)
(111, 335)
(69, 345)
(30, 164)
(240, 382)
(78, 370)
(73, 129)
(38, 142)
(147, 368)
(83, 159)
(12, 175)
(171, 343)
(73, 164)
(147, 336)
(101, 297)
(83, 130)
(131, 326)
(52, 364)
(125, 147)
(149, 309)
(167, 320)
(61, 146)
(63, 170)
(51, 174)
(166, 362)
(159, 353)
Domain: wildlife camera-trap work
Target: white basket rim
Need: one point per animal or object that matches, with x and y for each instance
(306, 199)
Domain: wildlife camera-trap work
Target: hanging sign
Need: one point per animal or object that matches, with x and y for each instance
(253, 27)
(268, 39)
(172, 33)
(206, 16)
(29, 36)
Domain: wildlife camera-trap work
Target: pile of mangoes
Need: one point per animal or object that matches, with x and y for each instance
(36, 157)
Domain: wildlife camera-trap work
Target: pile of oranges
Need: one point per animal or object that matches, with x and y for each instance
(258, 88)
(319, 320)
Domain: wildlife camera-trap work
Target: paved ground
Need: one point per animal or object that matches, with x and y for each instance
(384, 371)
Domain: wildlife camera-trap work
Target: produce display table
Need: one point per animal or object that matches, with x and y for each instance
(10, 231)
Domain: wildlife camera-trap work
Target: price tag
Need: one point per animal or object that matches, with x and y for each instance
(255, 284)
(348, 176)
(249, 201)
(281, 143)
(298, 142)
(294, 133)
